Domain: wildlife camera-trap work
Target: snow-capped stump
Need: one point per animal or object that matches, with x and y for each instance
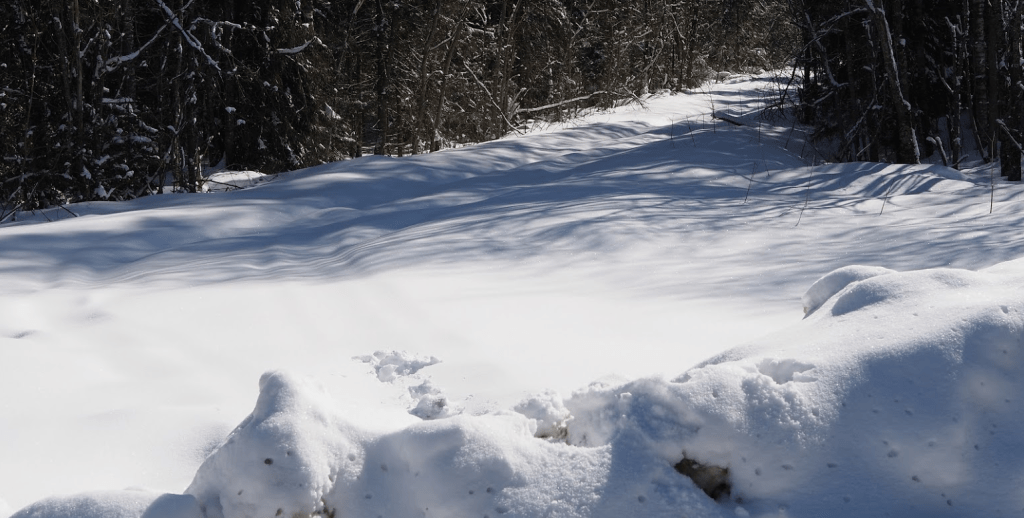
(835, 281)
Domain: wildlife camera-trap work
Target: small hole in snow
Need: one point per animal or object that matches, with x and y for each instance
(268, 461)
(641, 498)
(240, 492)
(351, 456)
(490, 490)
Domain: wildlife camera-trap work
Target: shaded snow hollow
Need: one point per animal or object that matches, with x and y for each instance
(900, 393)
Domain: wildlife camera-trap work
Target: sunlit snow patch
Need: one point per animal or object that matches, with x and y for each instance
(232, 180)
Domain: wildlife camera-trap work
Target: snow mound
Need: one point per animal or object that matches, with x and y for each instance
(129, 503)
(285, 457)
(835, 281)
(295, 456)
(430, 402)
(548, 413)
(903, 395)
(392, 365)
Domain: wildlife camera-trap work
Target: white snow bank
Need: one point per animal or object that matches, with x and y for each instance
(901, 394)
(130, 503)
(295, 456)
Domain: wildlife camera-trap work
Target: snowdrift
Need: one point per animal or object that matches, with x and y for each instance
(899, 394)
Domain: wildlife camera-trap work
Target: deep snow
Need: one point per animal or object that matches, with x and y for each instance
(416, 323)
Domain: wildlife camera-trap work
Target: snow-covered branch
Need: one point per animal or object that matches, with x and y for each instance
(295, 50)
(113, 63)
(192, 41)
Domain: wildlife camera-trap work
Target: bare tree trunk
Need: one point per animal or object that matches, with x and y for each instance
(439, 107)
(993, 43)
(384, 52)
(979, 83)
(908, 151)
(953, 116)
(1010, 159)
(418, 123)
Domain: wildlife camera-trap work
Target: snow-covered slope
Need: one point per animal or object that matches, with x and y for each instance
(421, 319)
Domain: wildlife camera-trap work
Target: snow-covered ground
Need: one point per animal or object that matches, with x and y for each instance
(538, 326)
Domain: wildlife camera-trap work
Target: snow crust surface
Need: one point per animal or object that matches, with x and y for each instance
(544, 325)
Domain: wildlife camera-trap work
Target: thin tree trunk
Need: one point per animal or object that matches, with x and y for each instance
(979, 82)
(418, 123)
(908, 151)
(1010, 161)
(953, 117)
(439, 108)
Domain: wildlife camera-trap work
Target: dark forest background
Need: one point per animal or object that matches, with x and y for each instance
(110, 99)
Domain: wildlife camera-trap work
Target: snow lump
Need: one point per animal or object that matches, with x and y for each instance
(899, 393)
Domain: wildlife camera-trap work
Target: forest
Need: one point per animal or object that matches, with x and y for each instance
(121, 99)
